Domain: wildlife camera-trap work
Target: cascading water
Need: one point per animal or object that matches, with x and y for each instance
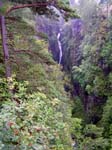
(60, 48)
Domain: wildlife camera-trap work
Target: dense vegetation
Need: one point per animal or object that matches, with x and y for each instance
(45, 105)
(33, 102)
(92, 76)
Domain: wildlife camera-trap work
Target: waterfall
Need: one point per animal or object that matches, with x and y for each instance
(60, 47)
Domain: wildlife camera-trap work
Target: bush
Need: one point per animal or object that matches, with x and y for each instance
(32, 120)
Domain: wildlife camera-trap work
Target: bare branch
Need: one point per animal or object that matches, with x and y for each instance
(27, 5)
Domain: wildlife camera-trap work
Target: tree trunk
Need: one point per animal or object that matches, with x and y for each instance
(5, 47)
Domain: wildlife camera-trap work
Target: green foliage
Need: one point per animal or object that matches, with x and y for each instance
(95, 144)
(106, 118)
(31, 120)
(91, 76)
(5, 5)
(4, 94)
(94, 138)
(106, 54)
(37, 115)
(40, 70)
(92, 130)
(94, 72)
(69, 13)
(78, 75)
(76, 128)
(94, 76)
(89, 137)
(78, 110)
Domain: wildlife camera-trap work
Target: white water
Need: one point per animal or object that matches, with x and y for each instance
(60, 48)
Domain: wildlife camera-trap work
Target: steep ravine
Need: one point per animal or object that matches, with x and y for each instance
(67, 48)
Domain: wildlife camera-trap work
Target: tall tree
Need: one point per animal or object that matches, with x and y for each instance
(41, 7)
(5, 47)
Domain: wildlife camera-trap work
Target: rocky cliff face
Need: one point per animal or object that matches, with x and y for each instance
(51, 29)
(71, 36)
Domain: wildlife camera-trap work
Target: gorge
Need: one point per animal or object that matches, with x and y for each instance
(56, 59)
